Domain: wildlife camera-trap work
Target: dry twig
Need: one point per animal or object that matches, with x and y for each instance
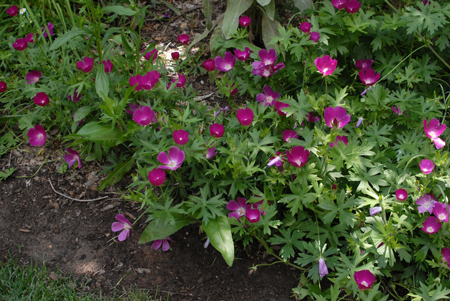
(73, 199)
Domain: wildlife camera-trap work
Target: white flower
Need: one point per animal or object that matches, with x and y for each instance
(22, 11)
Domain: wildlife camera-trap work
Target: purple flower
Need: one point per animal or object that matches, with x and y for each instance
(280, 106)
(397, 111)
(242, 55)
(216, 130)
(221, 110)
(375, 210)
(211, 152)
(431, 225)
(401, 194)
(146, 81)
(440, 210)
(76, 96)
(336, 117)
(86, 64)
(425, 204)
(157, 177)
(133, 107)
(446, 256)
(33, 76)
(183, 39)
(433, 131)
(267, 57)
(108, 65)
(312, 118)
(30, 38)
(226, 63)
(353, 6)
(164, 242)
(123, 225)
(245, 116)
(50, 27)
(360, 120)
(363, 64)
(426, 166)
(266, 67)
(3, 86)
(364, 279)
(258, 206)
(12, 11)
(277, 160)
(239, 208)
(72, 157)
(425, 2)
(20, 44)
(325, 64)
(180, 82)
(181, 137)
(153, 54)
(165, 15)
(343, 139)
(252, 215)
(173, 161)
(323, 270)
(339, 4)
(314, 36)
(298, 156)
(143, 116)
(244, 21)
(305, 27)
(288, 134)
(37, 135)
(41, 99)
(269, 97)
(369, 77)
(175, 55)
(209, 65)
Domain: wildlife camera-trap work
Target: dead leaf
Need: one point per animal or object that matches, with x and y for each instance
(55, 277)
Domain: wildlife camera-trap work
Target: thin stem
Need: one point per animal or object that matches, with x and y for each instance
(402, 62)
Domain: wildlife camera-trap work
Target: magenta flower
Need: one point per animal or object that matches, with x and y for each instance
(183, 39)
(245, 116)
(288, 134)
(226, 63)
(221, 110)
(50, 27)
(72, 157)
(33, 76)
(325, 64)
(446, 256)
(242, 55)
(144, 116)
(233, 91)
(216, 130)
(175, 55)
(180, 82)
(280, 106)
(146, 82)
(157, 177)
(305, 27)
(76, 96)
(173, 161)
(277, 160)
(269, 97)
(37, 135)
(433, 131)
(30, 38)
(364, 279)
(133, 107)
(343, 139)
(12, 11)
(123, 225)
(239, 208)
(375, 210)
(209, 65)
(267, 57)
(86, 64)
(363, 64)
(339, 4)
(252, 215)
(258, 206)
(3, 86)
(353, 6)
(336, 117)
(244, 21)
(153, 54)
(181, 137)
(108, 65)
(312, 118)
(425, 204)
(397, 111)
(266, 67)
(164, 242)
(431, 225)
(298, 156)
(369, 77)
(314, 36)
(211, 152)
(41, 99)
(426, 166)
(20, 44)
(401, 194)
(440, 210)
(323, 270)
(425, 2)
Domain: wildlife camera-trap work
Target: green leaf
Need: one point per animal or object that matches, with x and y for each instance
(117, 174)
(204, 207)
(425, 18)
(269, 30)
(101, 83)
(219, 233)
(120, 10)
(235, 8)
(101, 134)
(302, 4)
(80, 114)
(263, 2)
(270, 9)
(207, 11)
(289, 240)
(160, 230)
(7, 173)
(66, 38)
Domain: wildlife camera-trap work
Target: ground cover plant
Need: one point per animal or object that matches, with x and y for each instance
(336, 150)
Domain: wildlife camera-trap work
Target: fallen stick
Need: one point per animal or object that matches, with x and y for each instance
(73, 199)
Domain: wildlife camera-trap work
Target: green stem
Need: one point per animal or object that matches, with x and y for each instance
(402, 62)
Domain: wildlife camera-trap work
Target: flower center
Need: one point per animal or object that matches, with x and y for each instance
(365, 284)
(325, 70)
(126, 227)
(427, 204)
(40, 136)
(430, 229)
(172, 164)
(241, 211)
(228, 67)
(441, 217)
(269, 99)
(266, 72)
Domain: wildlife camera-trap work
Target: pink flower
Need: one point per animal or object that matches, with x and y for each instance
(425, 2)
(37, 135)
(50, 27)
(339, 4)
(33, 76)
(266, 67)
(216, 130)
(363, 64)
(244, 21)
(401, 194)
(164, 242)
(298, 156)
(305, 27)
(175, 55)
(314, 36)
(41, 99)
(343, 139)
(446, 256)
(30, 38)
(397, 111)
(72, 157)
(183, 39)
(440, 210)
(133, 107)
(353, 6)
(157, 177)
(288, 134)
(433, 131)
(3, 86)
(369, 77)
(252, 215)
(123, 225)
(180, 82)
(239, 208)
(181, 137)
(323, 270)
(209, 65)
(336, 117)
(277, 160)
(226, 63)
(86, 64)
(143, 116)
(267, 57)
(426, 166)
(268, 97)
(375, 210)
(425, 204)
(76, 96)
(242, 55)
(153, 54)
(146, 82)
(431, 225)
(20, 44)
(108, 65)
(211, 153)
(325, 64)
(245, 116)
(233, 91)
(312, 118)
(280, 106)
(364, 279)
(173, 161)
(12, 11)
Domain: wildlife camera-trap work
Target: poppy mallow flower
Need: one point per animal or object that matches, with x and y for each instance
(123, 225)
(86, 64)
(277, 160)
(446, 256)
(30, 38)
(245, 116)
(397, 111)
(239, 208)
(216, 130)
(323, 270)
(108, 65)
(364, 279)
(426, 166)
(369, 77)
(288, 135)
(353, 6)
(242, 55)
(363, 64)
(269, 97)
(183, 39)
(314, 36)
(305, 27)
(37, 135)
(431, 225)
(180, 137)
(253, 215)
(157, 177)
(298, 156)
(280, 106)
(336, 117)
(173, 161)
(180, 82)
(343, 139)
(245, 21)
(440, 210)
(175, 55)
(76, 96)
(20, 44)
(375, 210)
(153, 54)
(401, 194)
(146, 82)
(209, 65)
(339, 4)
(41, 99)
(210, 153)
(50, 27)
(312, 118)
(3, 86)
(72, 157)
(433, 130)
(326, 65)
(144, 116)
(33, 76)
(226, 63)
(425, 203)
(12, 11)
(164, 242)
